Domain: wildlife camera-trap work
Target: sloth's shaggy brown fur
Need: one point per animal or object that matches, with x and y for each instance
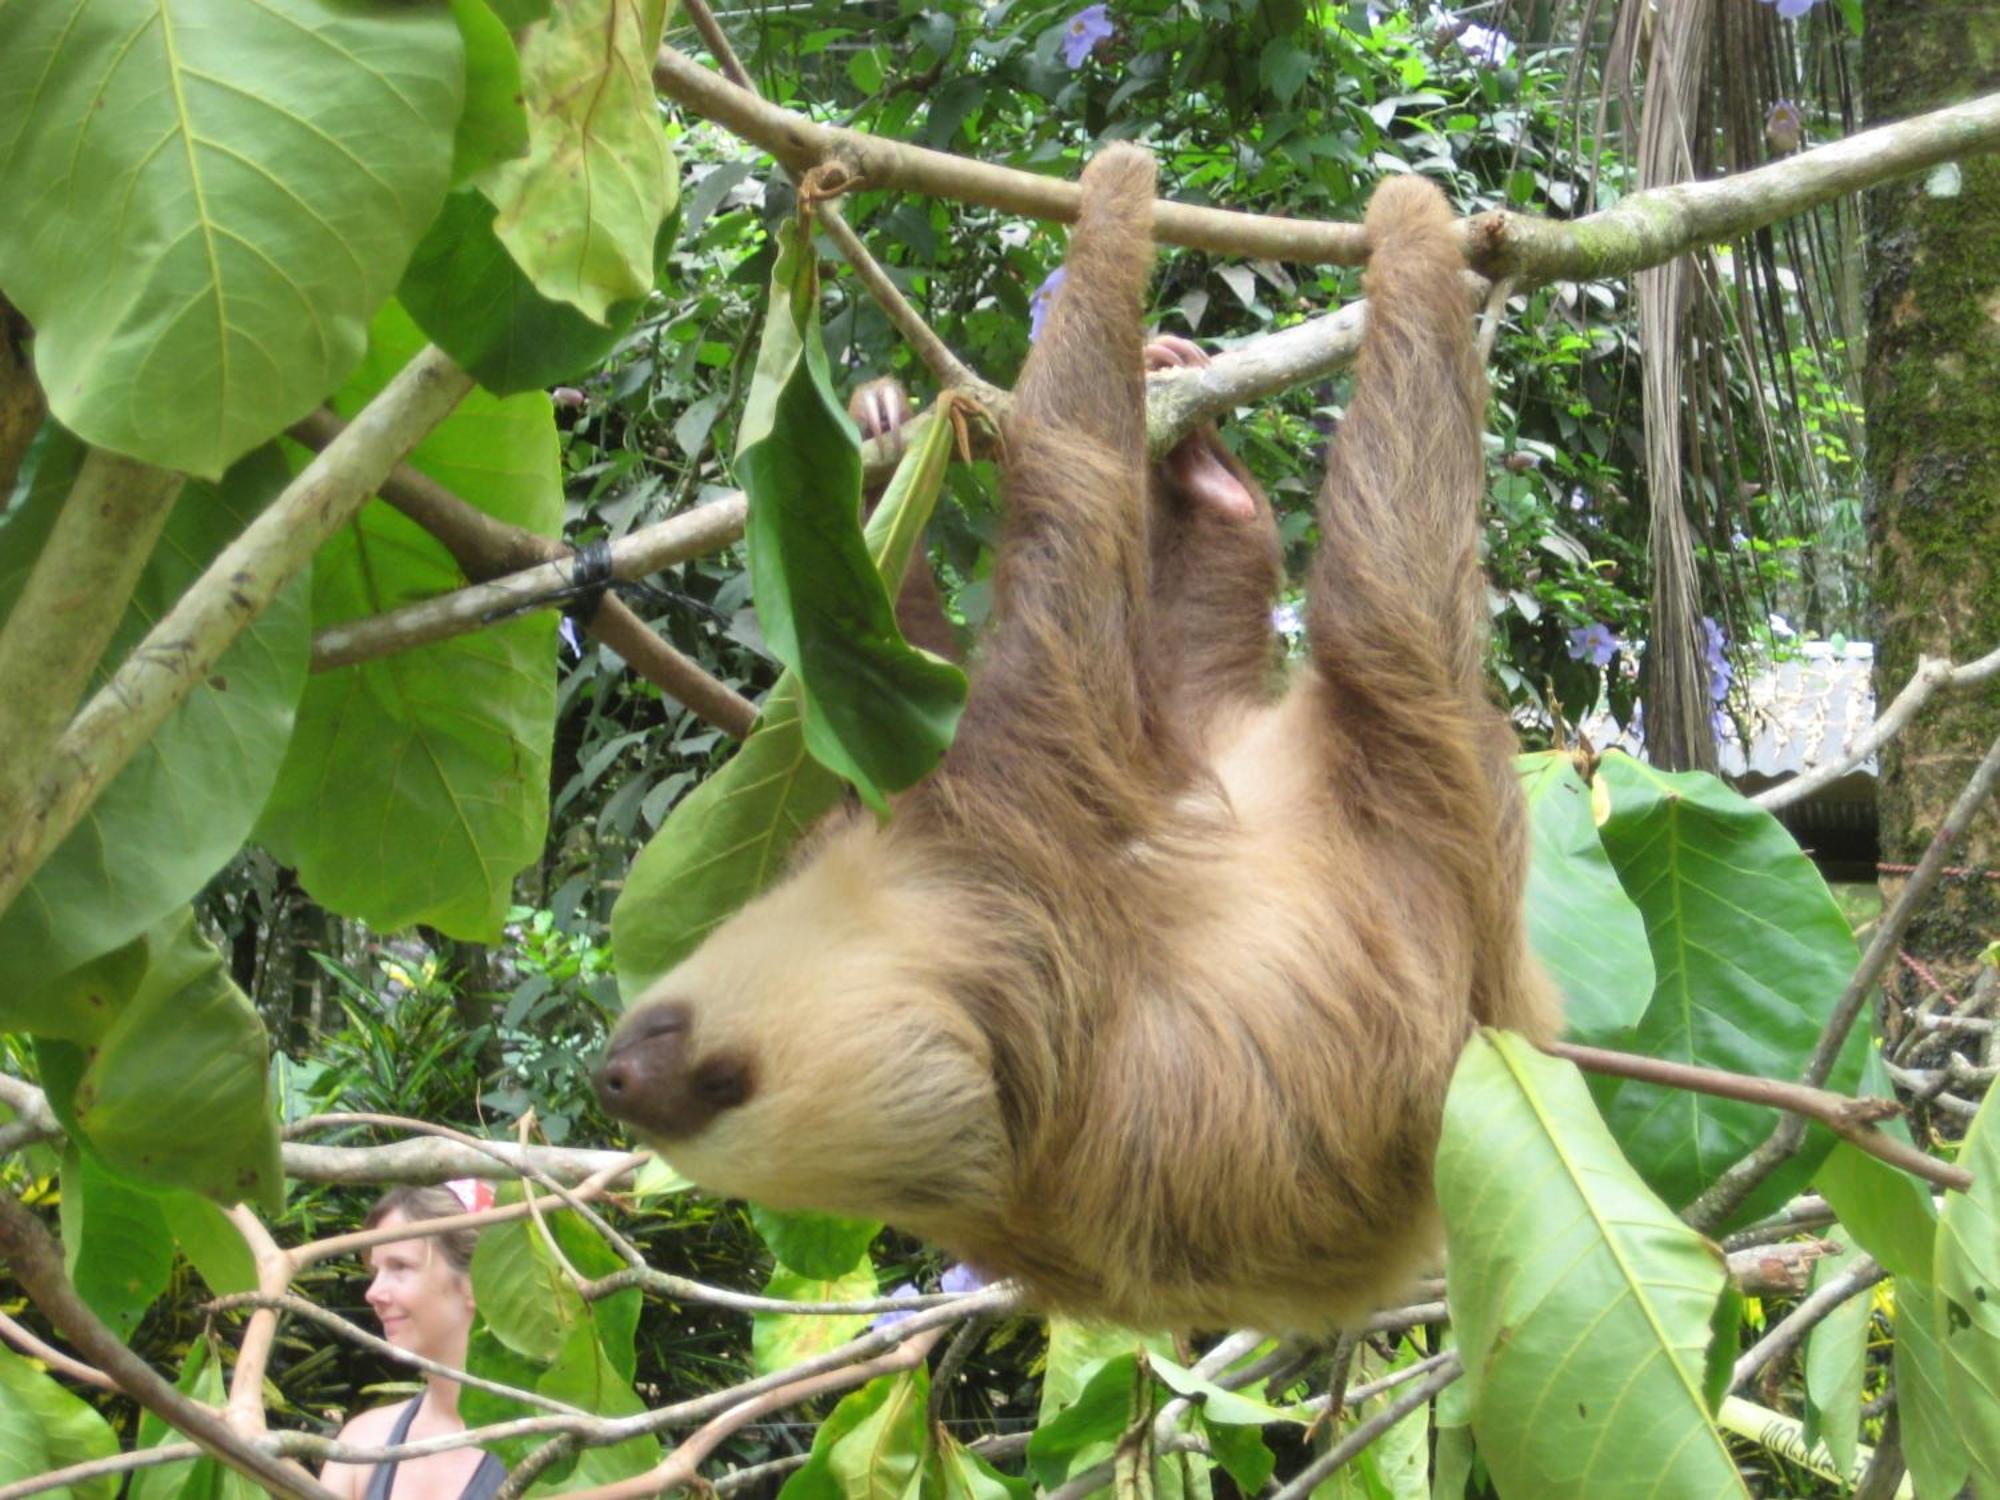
(1151, 995)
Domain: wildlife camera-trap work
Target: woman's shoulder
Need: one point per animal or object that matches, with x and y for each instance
(373, 1425)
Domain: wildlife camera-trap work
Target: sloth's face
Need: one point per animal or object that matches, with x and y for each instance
(809, 1054)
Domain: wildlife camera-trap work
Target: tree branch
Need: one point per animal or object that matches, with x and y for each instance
(1787, 1333)
(181, 650)
(1851, 1119)
(1645, 229)
(485, 548)
(71, 604)
(1309, 1478)
(1932, 674)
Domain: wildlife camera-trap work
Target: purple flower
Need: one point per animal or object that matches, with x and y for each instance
(1791, 10)
(1714, 646)
(567, 395)
(1594, 643)
(567, 630)
(959, 1279)
(891, 1319)
(1043, 299)
(1785, 126)
(1083, 31)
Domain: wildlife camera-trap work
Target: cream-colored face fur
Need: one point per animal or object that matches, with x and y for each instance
(871, 1092)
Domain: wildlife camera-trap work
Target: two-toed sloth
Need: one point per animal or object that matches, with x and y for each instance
(1150, 995)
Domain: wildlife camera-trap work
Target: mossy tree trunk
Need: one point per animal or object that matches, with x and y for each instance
(1933, 410)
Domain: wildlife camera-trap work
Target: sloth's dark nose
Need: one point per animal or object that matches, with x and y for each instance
(651, 1080)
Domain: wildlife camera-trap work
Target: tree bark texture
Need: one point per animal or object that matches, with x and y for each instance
(1932, 394)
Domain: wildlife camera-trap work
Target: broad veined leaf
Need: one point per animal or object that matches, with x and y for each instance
(1888, 1212)
(780, 1340)
(465, 291)
(1968, 1298)
(529, 1303)
(1836, 1361)
(1581, 1304)
(493, 126)
(487, 1356)
(209, 200)
(116, 1246)
(175, 1092)
(214, 1246)
(1086, 1432)
(581, 210)
(727, 839)
(1751, 952)
(186, 801)
(1396, 1465)
(1219, 1405)
(43, 1428)
(1583, 926)
(1077, 1350)
(417, 785)
(873, 1446)
(877, 710)
(1932, 1443)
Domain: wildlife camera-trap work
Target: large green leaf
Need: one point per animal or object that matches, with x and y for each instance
(1086, 1432)
(1583, 926)
(1932, 1444)
(43, 1428)
(176, 1091)
(873, 1446)
(529, 1302)
(727, 839)
(584, 1376)
(477, 305)
(1751, 952)
(877, 710)
(214, 1246)
(814, 1244)
(960, 1474)
(116, 1245)
(209, 199)
(416, 786)
(1581, 1304)
(581, 210)
(780, 1340)
(1968, 1296)
(184, 804)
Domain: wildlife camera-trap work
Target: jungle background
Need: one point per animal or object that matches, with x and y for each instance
(1780, 451)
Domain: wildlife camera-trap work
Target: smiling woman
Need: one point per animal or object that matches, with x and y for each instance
(422, 1293)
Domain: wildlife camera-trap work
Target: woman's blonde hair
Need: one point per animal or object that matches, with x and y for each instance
(418, 1203)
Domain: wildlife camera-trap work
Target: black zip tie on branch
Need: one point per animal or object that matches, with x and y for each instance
(589, 581)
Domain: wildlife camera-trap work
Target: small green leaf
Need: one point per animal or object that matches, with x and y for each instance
(1229, 1408)
(1086, 1432)
(1968, 1297)
(877, 710)
(190, 1479)
(177, 1091)
(1582, 925)
(1283, 68)
(417, 785)
(822, 1246)
(961, 1474)
(213, 1246)
(875, 1445)
(493, 126)
(581, 210)
(1750, 953)
(43, 1428)
(1888, 1212)
(780, 1340)
(1836, 1361)
(210, 200)
(116, 1247)
(1581, 1305)
(1932, 1444)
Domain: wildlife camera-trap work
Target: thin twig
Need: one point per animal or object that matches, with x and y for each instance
(1851, 1119)
(1789, 1331)
(28, 1343)
(81, 1474)
(1448, 1369)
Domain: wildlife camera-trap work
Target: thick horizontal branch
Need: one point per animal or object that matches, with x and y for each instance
(1646, 229)
(1851, 1119)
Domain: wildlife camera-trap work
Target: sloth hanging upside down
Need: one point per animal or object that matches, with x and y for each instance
(1149, 997)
